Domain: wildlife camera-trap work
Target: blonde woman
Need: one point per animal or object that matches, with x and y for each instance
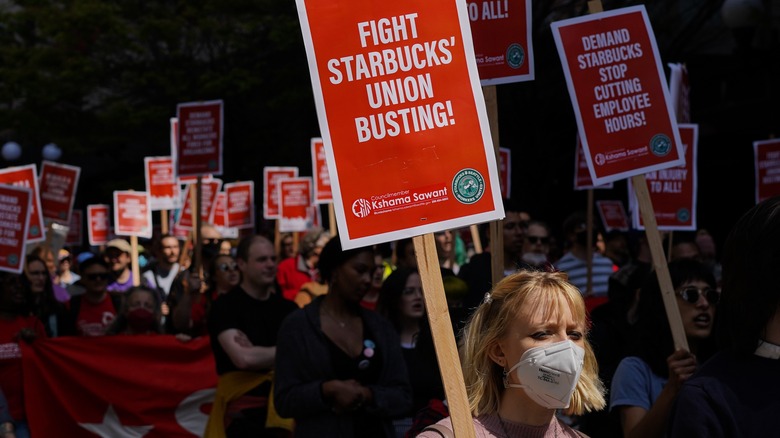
(526, 356)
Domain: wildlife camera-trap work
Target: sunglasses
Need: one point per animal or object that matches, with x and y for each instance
(691, 294)
(536, 239)
(95, 277)
(225, 267)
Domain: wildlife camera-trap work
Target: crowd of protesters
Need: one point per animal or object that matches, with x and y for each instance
(319, 341)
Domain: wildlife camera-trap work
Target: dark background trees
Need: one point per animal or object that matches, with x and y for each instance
(102, 78)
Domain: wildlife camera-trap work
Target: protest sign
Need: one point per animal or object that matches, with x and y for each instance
(295, 200)
(680, 92)
(613, 215)
(767, 164)
(502, 40)
(58, 190)
(75, 228)
(164, 192)
(208, 197)
(402, 117)
(15, 204)
(271, 177)
(673, 190)
(323, 192)
(98, 224)
(220, 217)
(199, 138)
(618, 90)
(27, 176)
(240, 204)
(582, 178)
(132, 214)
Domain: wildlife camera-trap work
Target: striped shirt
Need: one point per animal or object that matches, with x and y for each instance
(578, 272)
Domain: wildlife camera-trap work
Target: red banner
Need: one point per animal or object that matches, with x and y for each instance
(150, 386)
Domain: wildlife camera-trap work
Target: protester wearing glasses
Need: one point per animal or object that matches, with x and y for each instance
(735, 394)
(91, 313)
(646, 383)
(536, 245)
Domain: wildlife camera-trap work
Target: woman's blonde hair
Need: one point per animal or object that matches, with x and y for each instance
(527, 293)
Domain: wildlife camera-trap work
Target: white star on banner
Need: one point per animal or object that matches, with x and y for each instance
(111, 427)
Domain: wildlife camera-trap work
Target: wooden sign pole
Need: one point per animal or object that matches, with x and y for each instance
(164, 221)
(332, 220)
(496, 227)
(659, 261)
(196, 223)
(134, 261)
(443, 337)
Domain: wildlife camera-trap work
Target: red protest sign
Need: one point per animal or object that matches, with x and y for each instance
(582, 178)
(505, 171)
(613, 215)
(27, 176)
(618, 90)
(502, 40)
(220, 217)
(199, 138)
(132, 214)
(240, 204)
(767, 164)
(322, 190)
(402, 116)
(673, 190)
(58, 190)
(164, 192)
(15, 203)
(295, 201)
(75, 228)
(98, 224)
(680, 92)
(271, 178)
(208, 198)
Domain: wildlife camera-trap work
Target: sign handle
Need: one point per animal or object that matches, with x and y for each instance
(277, 237)
(164, 221)
(195, 198)
(443, 337)
(475, 239)
(669, 245)
(332, 220)
(134, 261)
(659, 261)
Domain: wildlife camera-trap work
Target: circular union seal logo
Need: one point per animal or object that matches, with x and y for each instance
(34, 230)
(515, 55)
(660, 145)
(13, 259)
(361, 207)
(600, 159)
(683, 215)
(468, 186)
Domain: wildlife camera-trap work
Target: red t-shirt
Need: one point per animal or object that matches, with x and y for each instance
(94, 319)
(11, 361)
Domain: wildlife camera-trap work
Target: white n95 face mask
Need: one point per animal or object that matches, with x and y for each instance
(549, 373)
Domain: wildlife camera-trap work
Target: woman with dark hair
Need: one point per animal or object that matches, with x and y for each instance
(223, 275)
(646, 383)
(735, 394)
(339, 367)
(401, 302)
(43, 304)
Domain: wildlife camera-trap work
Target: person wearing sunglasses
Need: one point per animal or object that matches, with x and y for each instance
(91, 313)
(647, 382)
(536, 245)
(191, 314)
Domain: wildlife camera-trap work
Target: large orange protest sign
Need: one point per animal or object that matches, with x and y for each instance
(323, 192)
(58, 190)
(618, 90)
(27, 176)
(766, 154)
(673, 190)
(132, 214)
(15, 203)
(98, 224)
(199, 138)
(502, 40)
(402, 116)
